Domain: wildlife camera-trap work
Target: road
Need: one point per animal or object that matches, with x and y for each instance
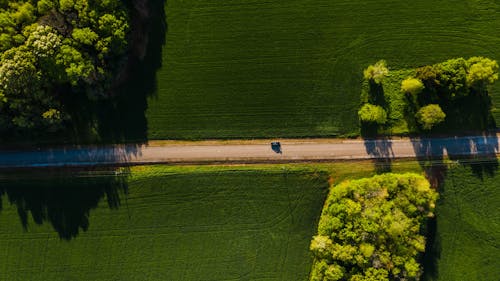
(293, 150)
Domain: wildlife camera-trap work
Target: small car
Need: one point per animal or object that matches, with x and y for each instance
(276, 146)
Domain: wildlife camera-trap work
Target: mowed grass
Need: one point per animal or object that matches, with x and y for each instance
(467, 245)
(245, 69)
(182, 224)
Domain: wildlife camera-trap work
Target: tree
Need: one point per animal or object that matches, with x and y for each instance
(452, 78)
(481, 71)
(371, 229)
(377, 72)
(85, 36)
(370, 113)
(429, 75)
(430, 115)
(412, 86)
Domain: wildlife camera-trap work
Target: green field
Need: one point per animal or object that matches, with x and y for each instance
(468, 228)
(243, 69)
(200, 224)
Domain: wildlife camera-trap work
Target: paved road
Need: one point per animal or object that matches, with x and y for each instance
(251, 152)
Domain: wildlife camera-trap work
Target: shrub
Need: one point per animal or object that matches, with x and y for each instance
(377, 72)
(376, 230)
(430, 115)
(370, 113)
(412, 86)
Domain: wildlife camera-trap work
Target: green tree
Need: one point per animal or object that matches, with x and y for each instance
(430, 115)
(429, 75)
(370, 113)
(85, 36)
(412, 86)
(481, 72)
(377, 72)
(452, 79)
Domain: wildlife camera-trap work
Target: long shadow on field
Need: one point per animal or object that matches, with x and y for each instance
(63, 200)
(122, 119)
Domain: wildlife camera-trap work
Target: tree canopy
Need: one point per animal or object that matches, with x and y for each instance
(412, 86)
(377, 72)
(372, 229)
(370, 113)
(54, 49)
(430, 115)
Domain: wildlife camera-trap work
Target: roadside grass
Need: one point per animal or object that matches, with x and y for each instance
(466, 246)
(240, 222)
(253, 69)
(216, 224)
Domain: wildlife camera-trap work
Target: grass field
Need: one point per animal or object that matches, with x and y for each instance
(468, 228)
(290, 69)
(174, 224)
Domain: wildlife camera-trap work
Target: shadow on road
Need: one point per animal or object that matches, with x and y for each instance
(70, 156)
(381, 152)
(478, 152)
(62, 198)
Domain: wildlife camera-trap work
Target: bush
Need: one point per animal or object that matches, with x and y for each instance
(370, 113)
(377, 72)
(430, 115)
(370, 229)
(412, 86)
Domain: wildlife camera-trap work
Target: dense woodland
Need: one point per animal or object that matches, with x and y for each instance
(52, 51)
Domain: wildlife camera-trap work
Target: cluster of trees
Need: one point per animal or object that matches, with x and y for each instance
(371, 229)
(51, 50)
(432, 90)
(441, 84)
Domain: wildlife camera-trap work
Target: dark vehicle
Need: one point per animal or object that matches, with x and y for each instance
(276, 147)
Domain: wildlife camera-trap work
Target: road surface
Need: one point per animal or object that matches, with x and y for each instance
(250, 152)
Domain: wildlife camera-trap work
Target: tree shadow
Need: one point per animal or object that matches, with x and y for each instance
(380, 150)
(123, 118)
(376, 94)
(469, 113)
(70, 156)
(477, 152)
(64, 198)
(432, 251)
